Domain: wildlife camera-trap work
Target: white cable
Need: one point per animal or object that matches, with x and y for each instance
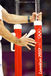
(32, 31)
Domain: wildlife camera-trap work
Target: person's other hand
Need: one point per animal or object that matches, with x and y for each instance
(24, 41)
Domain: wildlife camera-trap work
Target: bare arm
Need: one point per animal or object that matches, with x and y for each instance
(14, 19)
(23, 41)
(7, 35)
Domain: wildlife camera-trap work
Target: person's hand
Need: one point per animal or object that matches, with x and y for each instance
(35, 15)
(24, 41)
(39, 16)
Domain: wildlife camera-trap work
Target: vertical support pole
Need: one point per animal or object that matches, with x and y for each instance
(38, 48)
(18, 51)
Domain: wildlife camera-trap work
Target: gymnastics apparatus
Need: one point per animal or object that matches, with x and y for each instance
(38, 46)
